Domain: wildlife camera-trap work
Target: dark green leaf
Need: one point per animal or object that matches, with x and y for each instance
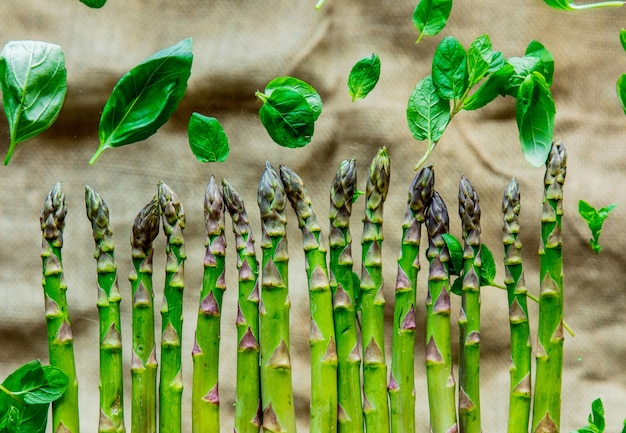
(287, 117)
(569, 5)
(621, 91)
(622, 38)
(96, 4)
(488, 266)
(364, 76)
(207, 138)
(594, 219)
(457, 286)
(535, 112)
(427, 114)
(298, 86)
(33, 383)
(356, 286)
(456, 254)
(449, 69)
(33, 80)
(493, 87)
(145, 97)
(482, 60)
(431, 16)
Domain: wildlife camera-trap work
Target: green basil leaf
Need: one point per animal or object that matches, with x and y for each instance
(456, 254)
(621, 91)
(482, 60)
(33, 419)
(568, 5)
(594, 219)
(145, 97)
(207, 138)
(96, 4)
(457, 286)
(427, 114)
(298, 86)
(364, 76)
(488, 266)
(431, 16)
(34, 83)
(493, 87)
(622, 38)
(449, 69)
(54, 385)
(287, 117)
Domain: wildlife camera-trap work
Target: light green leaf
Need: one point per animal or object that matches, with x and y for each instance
(364, 76)
(431, 16)
(427, 114)
(96, 4)
(594, 219)
(488, 266)
(33, 80)
(568, 5)
(298, 86)
(456, 254)
(482, 60)
(622, 38)
(287, 117)
(621, 91)
(207, 138)
(449, 69)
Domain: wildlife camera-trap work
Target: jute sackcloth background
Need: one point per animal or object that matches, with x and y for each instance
(238, 47)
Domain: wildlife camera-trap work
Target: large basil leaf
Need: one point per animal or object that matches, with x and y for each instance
(287, 117)
(427, 114)
(145, 97)
(449, 69)
(207, 139)
(364, 76)
(33, 80)
(431, 16)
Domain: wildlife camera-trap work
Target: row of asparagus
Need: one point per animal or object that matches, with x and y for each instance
(351, 389)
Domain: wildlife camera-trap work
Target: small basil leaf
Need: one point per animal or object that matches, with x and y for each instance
(457, 286)
(364, 76)
(534, 113)
(96, 4)
(482, 60)
(145, 97)
(488, 266)
(427, 114)
(431, 16)
(621, 91)
(298, 86)
(622, 38)
(449, 69)
(594, 219)
(207, 138)
(34, 83)
(287, 117)
(456, 254)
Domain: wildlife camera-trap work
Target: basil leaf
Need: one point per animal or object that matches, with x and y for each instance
(622, 38)
(488, 266)
(298, 86)
(493, 87)
(534, 113)
(34, 83)
(568, 5)
(482, 60)
(431, 16)
(207, 138)
(364, 76)
(52, 388)
(33, 419)
(145, 97)
(96, 4)
(427, 114)
(456, 254)
(457, 286)
(449, 69)
(594, 219)
(287, 117)
(621, 91)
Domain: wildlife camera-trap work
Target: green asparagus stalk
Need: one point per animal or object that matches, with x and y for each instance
(402, 380)
(143, 368)
(276, 385)
(65, 417)
(205, 409)
(375, 406)
(520, 389)
(549, 357)
(109, 298)
(170, 381)
(439, 377)
(342, 281)
(323, 414)
(469, 318)
(248, 390)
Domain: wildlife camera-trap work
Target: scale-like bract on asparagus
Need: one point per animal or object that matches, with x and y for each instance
(439, 377)
(549, 357)
(248, 389)
(60, 338)
(323, 412)
(205, 409)
(375, 404)
(520, 389)
(143, 368)
(402, 380)
(342, 285)
(170, 380)
(276, 385)
(109, 298)
(469, 318)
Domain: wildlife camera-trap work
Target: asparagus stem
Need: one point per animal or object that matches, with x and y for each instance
(170, 381)
(109, 298)
(205, 410)
(549, 357)
(276, 386)
(376, 407)
(402, 381)
(520, 371)
(143, 368)
(248, 390)
(60, 339)
(342, 285)
(440, 380)
(323, 414)
(469, 318)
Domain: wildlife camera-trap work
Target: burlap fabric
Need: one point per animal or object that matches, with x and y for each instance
(238, 47)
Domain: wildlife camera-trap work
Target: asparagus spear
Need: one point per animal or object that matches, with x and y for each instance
(60, 339)
(440, 381)
(205, 415)
(375, 407)
(549, 357)
(143, 368)
(519, 400)
(109, 298)
(342, 281)
(248, 392)
(402, 381)
(323, 412)
(170, 381)
(469, 318)
(276, 386)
